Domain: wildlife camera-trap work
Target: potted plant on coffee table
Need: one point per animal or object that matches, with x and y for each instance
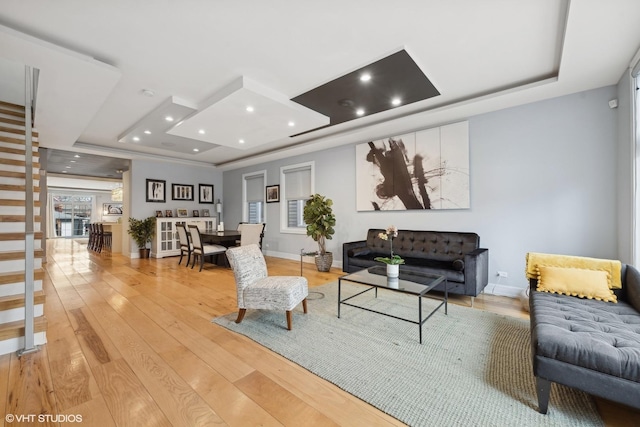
(142, 231)
(320, 221)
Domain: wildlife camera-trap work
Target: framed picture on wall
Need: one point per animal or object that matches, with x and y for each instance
(112, 209)
(156, 191)
(206, 193)
(273, 193)
(181, 192)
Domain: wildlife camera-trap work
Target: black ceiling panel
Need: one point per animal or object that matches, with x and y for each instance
(396, 76)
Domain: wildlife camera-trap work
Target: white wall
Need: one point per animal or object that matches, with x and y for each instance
(543, 179)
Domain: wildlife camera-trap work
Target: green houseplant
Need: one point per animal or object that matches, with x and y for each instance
(320, 220)
(142, 231)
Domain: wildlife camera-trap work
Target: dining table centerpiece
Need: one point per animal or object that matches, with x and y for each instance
(393, 261)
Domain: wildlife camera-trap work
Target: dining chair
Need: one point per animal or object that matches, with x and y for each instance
(240, 225)
(92, 236)
(107, 237)
(252, 234)
(185, 245)
(257, 290)
(201, 250)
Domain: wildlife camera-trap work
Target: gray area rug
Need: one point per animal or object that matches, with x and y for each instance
(473, 368)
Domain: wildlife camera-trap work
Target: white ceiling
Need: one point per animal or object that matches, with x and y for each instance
(97, 57)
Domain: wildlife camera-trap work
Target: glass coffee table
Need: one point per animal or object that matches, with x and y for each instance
(411, 283)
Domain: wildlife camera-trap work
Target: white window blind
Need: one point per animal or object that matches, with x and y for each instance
(255, 188)
(253, 194)
(297, 185)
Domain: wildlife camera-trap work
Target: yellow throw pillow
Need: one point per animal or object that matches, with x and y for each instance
(578, 282)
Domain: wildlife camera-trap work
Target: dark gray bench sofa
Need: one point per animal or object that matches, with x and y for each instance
(457, 256)
(587, 344)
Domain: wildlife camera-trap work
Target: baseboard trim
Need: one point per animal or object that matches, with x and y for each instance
(296, 257)
(502, 290)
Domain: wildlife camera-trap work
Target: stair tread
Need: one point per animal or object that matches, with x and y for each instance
(5, 237)
(14, 255)
(6, 104)
(9, 277)
(16, 140)
(9, 302)
(16, 131)
(16, 329)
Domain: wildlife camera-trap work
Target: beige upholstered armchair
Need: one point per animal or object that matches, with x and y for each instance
(257, 290)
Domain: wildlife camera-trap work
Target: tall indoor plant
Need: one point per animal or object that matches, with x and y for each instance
(320, 221)
(142, 231)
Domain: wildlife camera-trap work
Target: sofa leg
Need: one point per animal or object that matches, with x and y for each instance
(472, 300)
(543, 387)
(304, 305)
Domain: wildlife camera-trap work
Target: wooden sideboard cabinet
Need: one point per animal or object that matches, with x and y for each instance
(166, 242)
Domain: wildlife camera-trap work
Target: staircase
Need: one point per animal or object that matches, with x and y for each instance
(12, 232)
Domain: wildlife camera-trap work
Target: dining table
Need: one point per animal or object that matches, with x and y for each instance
(226, 238)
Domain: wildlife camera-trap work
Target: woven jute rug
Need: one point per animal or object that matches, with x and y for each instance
(473, 368)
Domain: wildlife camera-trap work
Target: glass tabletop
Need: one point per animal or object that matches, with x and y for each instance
(411, 282)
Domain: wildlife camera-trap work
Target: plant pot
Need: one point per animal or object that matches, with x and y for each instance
(323, 262)
(144, 252)
(393, 270)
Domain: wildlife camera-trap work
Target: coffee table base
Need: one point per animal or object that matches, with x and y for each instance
(420, 321)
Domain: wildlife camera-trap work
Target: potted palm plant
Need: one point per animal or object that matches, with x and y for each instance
(320, 221)
(142, 231)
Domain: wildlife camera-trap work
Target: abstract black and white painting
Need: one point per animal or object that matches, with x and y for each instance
(428, 169)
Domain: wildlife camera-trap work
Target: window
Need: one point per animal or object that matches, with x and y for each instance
(253, 185)
(297, 185)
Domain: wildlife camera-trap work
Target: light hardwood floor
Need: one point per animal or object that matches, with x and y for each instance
(131, 344)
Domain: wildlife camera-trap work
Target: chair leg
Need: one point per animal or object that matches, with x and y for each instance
(180, 260)
(304, 305)
(188, 259)
(289, 319)
(241, 315)
(193, 264)
(201, 262)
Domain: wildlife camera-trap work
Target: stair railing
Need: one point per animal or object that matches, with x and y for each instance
(29, 263)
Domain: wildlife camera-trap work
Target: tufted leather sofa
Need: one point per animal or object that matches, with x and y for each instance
(457, 256)
(587, 344)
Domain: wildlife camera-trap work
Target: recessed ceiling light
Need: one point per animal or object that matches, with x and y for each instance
(292, 124)
(68, 167)
(64, 171)
(136, 139)
(365, 77)
(241, 141)
(169, 118)
(72, 161)
(179, 123)
(396, 101)
(196, 150)
(201, 132)
(147, 92)
(360, 112)
(250, 109)
(148, 132)
(77, 156)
